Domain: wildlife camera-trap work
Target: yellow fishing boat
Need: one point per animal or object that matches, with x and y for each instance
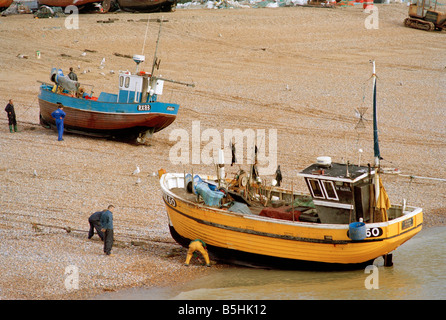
(345, 219)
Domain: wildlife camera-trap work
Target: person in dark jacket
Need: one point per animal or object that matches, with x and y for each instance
(59, 116)
(107, 228)
(11, 116)
(72, 75)
(95, 223)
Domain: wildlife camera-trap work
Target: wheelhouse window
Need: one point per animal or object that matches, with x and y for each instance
(316, 188)
(121, 81)
(127, 82)
(323, 189)
(330, 191)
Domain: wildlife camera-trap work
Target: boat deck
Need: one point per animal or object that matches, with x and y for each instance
(278, 209)
(281, 204)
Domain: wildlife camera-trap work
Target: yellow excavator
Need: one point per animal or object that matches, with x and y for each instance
(423, 14)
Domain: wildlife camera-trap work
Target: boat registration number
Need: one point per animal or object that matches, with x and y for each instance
(144, 107)
(373, 232)
(407, 223)
(170, 200)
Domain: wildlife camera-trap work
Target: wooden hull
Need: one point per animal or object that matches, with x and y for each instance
(147, 5)
(5, 3)
(65, 3)
(105, 119)
(287, 241)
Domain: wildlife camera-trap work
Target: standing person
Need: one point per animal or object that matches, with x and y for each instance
(95, 223)
(11, 116)
(197, 245)
(107, 228)
(72, 75)
(59, 116)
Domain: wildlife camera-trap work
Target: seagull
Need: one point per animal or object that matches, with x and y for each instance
(35, 173)
(83, 54)
(360, 114)
(138, 181)
(136, 171)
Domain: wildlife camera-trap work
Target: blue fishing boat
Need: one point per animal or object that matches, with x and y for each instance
(134, 113)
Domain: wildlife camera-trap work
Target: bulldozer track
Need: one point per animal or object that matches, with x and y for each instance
(419, 24)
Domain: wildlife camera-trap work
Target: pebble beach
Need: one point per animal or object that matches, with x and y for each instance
(301, 71)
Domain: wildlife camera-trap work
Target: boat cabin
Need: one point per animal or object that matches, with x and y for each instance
(135, 88)
(139, 87)
(341, 192)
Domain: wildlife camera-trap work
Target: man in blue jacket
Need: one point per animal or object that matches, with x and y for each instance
(59, 116)
(107, 229)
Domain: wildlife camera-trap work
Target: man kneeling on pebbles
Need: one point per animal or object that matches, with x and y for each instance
(102, 221)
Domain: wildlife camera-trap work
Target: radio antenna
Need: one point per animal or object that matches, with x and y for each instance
(145, 37)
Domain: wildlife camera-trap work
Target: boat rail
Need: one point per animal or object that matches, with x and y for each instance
(80, 85)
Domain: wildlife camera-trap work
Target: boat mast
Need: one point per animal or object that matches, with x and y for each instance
(155, 63)
(376, 152)
(375, 121)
